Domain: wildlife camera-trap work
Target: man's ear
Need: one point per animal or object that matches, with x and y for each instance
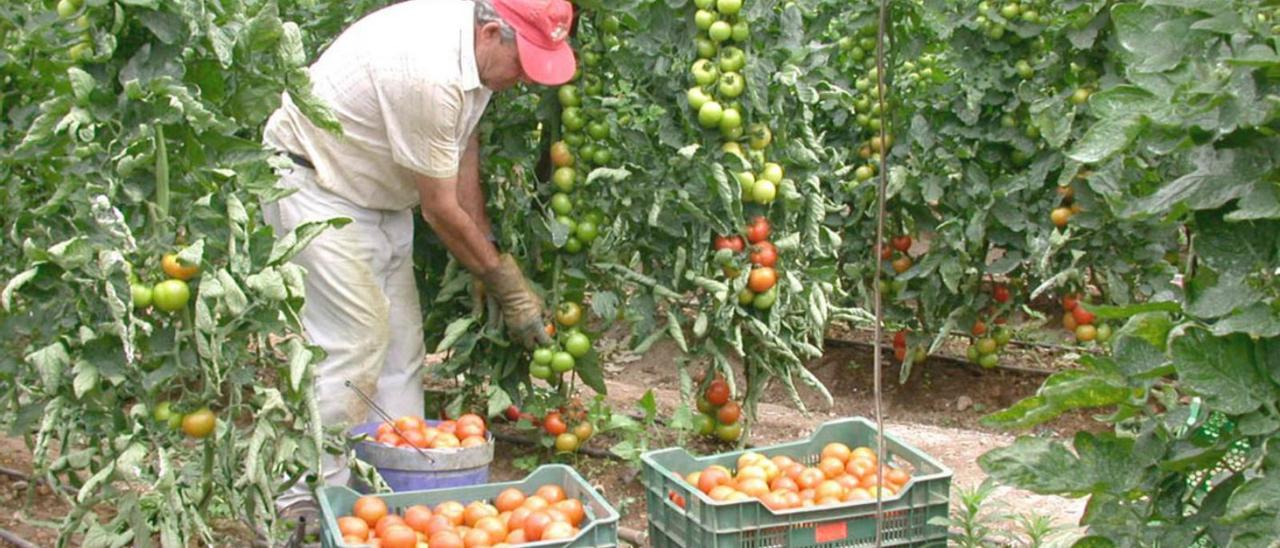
(491, 31)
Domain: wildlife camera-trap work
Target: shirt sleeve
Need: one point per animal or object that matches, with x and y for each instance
(424, 121)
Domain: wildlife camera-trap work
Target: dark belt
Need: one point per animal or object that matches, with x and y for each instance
(301, 161)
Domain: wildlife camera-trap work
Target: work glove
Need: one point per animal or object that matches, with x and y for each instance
(522, 309)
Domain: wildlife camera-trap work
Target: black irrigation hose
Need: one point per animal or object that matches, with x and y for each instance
(831, 341)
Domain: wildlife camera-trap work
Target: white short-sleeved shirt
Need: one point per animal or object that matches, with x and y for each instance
(404, 84)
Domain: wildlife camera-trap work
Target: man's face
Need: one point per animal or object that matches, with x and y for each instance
(498, 61)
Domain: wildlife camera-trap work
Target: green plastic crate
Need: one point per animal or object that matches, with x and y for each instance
(599, 528)
(707, 523)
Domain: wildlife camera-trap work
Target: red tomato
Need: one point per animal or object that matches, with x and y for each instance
(758, 230)
(762, 279)
(764, 254)
(1000, 294)
(734, 243)
(718, 392)
(1082, 316)
(902, 243)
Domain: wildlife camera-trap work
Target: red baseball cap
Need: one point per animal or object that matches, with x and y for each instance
(542, 33)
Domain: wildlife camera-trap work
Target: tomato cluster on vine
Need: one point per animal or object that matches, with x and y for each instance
(718, 415)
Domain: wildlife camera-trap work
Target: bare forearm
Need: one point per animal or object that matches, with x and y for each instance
(441, 208)
(470, 192)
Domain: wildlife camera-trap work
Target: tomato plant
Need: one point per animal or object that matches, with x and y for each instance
(145, 289)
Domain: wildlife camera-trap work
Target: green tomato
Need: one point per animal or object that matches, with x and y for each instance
(1002, 336)
(1104, 333)
(764, 301)
(728, 7)
(747, 182)
(562, 361)
(732, 59)
(704, 4)
(761, 136)
(141, 295)
(772, 172)
(704, 424)
(572, 119)
(563, 178)
(568, 223)
(542, 356)
(720, 31)
(162, 412)
(569, 96)
(697, 97)
(573, 244)
(66, 8)
(1024, 69)
(764, 192)
(741, 32)
(540, 371)
(602, 157)
(729, 432)
(175, 420)
(561, 204)
(574, 139)
(987, 346)
(730, 119)
(706, 48)
(710, 114)
(732, 85)
(598, 130)
(989, 360)
(732, 134)
(705, 72)
(577, 344)
(746, 297)
(972, 353)
(611, 24)
(1010, 10)
(171, 295)
(586, 231)
(1080, 96)
(703, 19)
(80, 52)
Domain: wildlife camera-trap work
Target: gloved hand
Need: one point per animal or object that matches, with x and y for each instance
(522, 309)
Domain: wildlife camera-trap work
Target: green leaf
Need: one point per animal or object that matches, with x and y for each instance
(50, 362)
(455, 331)
(297, 239)
(1106, 138)
(14, 284)
(604, 304)
(1220, 176)
(1036, 464)
(1256, 320)
(499, 401)
(591, 373)
(649, 404)
(1101, 463)
(1156, 40)
(300, 358)
(1223, 370)
(1110, 312)
(86, 378)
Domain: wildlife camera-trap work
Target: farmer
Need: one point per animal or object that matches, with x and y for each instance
(408, 84)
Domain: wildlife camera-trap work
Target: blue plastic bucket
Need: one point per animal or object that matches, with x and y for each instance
(408, 470)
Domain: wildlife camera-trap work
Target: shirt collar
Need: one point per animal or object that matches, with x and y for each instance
(467, 45)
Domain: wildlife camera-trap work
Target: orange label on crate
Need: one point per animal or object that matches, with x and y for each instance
(830, 532)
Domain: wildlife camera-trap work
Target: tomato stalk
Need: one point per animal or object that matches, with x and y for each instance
(206, 486)
(162, 176)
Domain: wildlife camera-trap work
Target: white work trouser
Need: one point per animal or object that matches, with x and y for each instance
(361, 308)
